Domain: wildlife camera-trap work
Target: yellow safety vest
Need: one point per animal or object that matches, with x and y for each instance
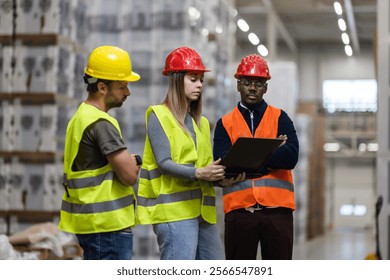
(163, 198)
(95, 200)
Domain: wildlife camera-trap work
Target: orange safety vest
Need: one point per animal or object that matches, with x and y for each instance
(276, 189)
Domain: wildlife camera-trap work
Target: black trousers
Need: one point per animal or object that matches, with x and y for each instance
(271, 227)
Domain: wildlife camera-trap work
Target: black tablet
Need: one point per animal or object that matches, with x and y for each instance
(249, 155)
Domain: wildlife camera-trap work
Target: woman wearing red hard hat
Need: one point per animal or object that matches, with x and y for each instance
(175, 191)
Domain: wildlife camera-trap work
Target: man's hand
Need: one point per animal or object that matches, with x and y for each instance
(227, 182)
(283, 137)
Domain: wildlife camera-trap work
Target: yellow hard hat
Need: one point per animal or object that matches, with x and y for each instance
(110, 63)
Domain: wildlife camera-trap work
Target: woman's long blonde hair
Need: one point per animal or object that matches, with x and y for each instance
(176, 100)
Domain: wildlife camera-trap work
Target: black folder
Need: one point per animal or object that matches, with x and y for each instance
(249, 155)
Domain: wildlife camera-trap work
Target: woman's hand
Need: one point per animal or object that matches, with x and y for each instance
(212, 172)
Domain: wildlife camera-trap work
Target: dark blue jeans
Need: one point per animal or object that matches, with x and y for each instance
(107, 245)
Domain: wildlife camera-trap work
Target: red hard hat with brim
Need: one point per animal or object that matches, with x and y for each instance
(253, 66)
(183, 59)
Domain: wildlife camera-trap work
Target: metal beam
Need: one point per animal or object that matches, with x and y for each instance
(275, 19)
(352, 25)
(272, 36)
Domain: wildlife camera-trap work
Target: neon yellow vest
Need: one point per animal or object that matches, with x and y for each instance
(97, 201)
(162, 198)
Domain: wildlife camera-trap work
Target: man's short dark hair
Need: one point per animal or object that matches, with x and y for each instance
(92, 83)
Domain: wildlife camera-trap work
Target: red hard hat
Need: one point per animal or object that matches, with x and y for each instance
(183, 59)
(253, 65)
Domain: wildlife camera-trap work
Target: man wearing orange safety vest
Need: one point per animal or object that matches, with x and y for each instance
(258, 210)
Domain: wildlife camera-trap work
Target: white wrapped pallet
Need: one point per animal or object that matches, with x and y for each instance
(48, 128)
(27, 126)
(104, 24)
(6, 18)
(49, 12)
(40, 179)
(28, 19)
(45, 71)
(137, 25)
(17, 181)
(4, 185)
(6, 84)
(7, 128)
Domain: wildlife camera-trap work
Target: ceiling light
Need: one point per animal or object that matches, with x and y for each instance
(253, 38)
(242, 25)
(360, 210)
(331, 147)
(372, 147)
(342, 24)
(345, 38)
(348, 50)
(205, 32)
(337, 8)
(346, 210)
(218, 28)
(193, 13)
(263, 51)
(343, 27)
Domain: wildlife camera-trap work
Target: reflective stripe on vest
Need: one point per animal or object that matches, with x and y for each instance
(96, 201)
(264, 182)
(79, 183)
(97, 207)
(274, 189)
(176, 197)
(163, 198)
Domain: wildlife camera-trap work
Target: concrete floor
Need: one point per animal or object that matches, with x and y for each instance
(337, 244)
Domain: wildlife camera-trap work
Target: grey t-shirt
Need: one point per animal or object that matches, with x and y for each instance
(162, 152)
(99, 140)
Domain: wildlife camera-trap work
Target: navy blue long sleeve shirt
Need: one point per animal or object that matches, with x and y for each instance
(286, 156)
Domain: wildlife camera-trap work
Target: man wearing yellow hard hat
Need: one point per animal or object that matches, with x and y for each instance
(99, 172)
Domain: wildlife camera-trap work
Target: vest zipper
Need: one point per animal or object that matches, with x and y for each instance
(252, 117)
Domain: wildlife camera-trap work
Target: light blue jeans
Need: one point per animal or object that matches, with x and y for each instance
(192, 239)
(107, 245)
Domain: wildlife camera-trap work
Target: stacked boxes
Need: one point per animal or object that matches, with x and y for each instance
(4, 185)
(42, 186)
(29, 17)
(40, 72)
(104, 24)
(7, 127)
(17, 189)
(43, 17)
(4, 192)
(38, 69)
(36, 128)
(6, 17)
(6, 80)
(30, 186)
